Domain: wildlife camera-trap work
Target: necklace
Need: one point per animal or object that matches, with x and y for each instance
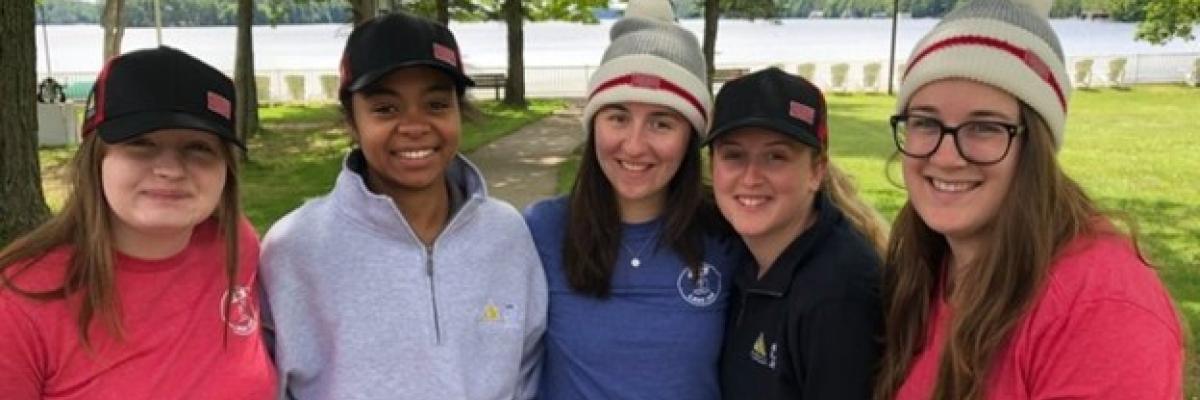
(636, 260)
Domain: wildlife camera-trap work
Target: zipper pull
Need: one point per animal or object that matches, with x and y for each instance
(429, 260)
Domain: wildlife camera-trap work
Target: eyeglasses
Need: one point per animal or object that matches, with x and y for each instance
(978, 142)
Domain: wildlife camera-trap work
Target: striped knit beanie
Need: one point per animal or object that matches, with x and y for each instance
(653, 60)
(1004, 43)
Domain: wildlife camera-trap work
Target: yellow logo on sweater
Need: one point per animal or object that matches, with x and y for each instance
(491, 313)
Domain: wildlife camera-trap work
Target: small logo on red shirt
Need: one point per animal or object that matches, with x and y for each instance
(801, 112)
(220, 105)
(243, 313)
(445, 53)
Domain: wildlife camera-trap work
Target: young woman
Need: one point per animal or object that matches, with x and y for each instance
(407, 280)
(638, 287)
(142, 286)
(1003, 279)
(806, 322)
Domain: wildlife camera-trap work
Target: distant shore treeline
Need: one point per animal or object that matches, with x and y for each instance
(140, 13)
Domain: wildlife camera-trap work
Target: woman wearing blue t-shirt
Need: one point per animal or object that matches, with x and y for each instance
(638, 282)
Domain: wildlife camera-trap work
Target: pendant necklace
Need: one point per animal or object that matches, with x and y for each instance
(636, 260)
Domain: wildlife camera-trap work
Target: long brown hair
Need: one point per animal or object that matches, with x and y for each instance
(1041, 213)
(84, 224)
(593, 232)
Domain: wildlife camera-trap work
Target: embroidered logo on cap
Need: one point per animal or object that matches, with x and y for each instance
(445, 53)
(801, 112)
(220, 105)
(645, 81)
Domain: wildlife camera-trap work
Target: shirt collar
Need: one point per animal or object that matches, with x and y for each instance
(779, 277)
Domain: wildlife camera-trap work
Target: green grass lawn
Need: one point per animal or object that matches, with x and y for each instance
(1136, 152)
(298, 154)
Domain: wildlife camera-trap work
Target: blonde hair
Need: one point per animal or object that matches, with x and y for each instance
(841, 190)
(84, 225)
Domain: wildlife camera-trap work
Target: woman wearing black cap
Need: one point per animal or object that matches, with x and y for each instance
(806, 313)
(142, 286)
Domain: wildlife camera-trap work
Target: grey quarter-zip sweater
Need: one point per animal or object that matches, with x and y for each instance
(362, 309)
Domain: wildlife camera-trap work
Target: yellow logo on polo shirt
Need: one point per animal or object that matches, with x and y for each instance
(759, 352)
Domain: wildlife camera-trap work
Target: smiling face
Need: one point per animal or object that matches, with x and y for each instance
(765, 183)
(640, 147)
(164, 182)
(954, 197)
(408, 126)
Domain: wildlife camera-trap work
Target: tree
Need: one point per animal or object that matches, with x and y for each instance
(22, 205)
(714, 9)
(514, 88)
(114, 27)
(712, 14)
(515, 11)
(1167, 19)
(363, 10)
(246, 114)
(443, 12)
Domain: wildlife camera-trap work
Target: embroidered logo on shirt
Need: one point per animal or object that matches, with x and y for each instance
(759, 352)
(701, 292)
(243, 313)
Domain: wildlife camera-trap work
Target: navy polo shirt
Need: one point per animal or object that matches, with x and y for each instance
(811, 327)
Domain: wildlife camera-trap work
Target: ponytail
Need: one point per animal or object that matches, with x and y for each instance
(842, 192)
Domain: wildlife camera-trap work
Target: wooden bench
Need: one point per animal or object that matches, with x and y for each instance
(496, 81)
(722, 75)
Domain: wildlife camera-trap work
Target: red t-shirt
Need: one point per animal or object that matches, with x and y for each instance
(1103, 328)
(173, 331)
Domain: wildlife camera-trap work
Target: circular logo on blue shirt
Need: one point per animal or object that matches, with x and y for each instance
(699, 292)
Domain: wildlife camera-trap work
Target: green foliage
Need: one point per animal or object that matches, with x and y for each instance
(140, 13)
(1167, 19)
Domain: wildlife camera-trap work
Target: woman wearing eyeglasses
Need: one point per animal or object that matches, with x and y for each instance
(1003, 279)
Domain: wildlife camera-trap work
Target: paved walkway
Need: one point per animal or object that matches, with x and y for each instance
(522, 168)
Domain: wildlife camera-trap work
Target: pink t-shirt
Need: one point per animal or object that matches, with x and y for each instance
(173, 331)
(1104, 328)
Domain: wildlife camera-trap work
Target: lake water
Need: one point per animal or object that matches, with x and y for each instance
(561, 49)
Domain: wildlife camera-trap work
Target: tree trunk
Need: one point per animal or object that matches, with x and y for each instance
(363, 10)
(114, 27)
(514, 88)
(22, 206)
(443, 12)
(246, 114)
(712, 13)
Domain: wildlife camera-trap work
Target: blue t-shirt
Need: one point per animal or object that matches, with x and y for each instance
(658, 334)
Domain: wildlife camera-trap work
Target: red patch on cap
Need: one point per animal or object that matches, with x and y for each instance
(645, 81)
(220, 105)
(802, 112)
(446, 54)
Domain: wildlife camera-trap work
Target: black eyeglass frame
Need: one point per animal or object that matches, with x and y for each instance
(1012, 129)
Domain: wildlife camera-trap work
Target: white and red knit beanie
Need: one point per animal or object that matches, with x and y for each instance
(653, 60)
(1008, 44)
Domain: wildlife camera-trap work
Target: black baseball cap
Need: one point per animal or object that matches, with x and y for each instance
(387, 42)
(775, 100)
(161, 88)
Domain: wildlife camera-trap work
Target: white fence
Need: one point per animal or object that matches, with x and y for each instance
(305, 86)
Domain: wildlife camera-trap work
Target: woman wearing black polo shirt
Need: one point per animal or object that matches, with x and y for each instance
(806, 315)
